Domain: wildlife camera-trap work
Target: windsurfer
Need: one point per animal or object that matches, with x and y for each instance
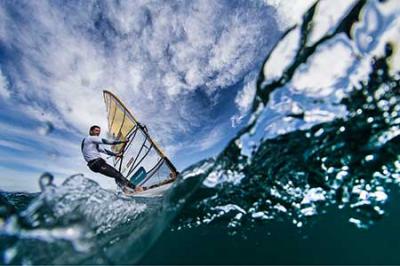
(91, 150)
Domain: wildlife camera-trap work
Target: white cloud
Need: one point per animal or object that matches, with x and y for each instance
(34, 138)
(214, 136)
(12, 145)
(318, 78)
(153, 56)
(282, 56)
(210, 136)
(4, 91)
(246, 96)
(158, 58)
(244, 99)
(327, 16)
(290, 12)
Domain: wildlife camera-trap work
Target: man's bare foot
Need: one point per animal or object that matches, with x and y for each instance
(130, 191)
(139, 189)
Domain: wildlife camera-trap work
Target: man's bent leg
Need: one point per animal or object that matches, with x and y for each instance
(110, 171)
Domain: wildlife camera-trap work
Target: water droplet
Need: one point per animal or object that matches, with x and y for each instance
(369, 157)
(46, 128)
(319, 132)
(9, 255)
(46, 179)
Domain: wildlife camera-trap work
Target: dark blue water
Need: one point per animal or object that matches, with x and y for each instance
(312, 179)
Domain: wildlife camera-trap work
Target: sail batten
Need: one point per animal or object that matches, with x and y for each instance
(142, 158)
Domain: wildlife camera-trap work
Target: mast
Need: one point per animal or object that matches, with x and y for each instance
(143, 130)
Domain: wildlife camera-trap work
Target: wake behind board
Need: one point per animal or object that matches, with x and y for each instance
(143, 163)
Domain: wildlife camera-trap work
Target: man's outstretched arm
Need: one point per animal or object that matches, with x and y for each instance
(98, 140)
(112, 142)
(108, 152)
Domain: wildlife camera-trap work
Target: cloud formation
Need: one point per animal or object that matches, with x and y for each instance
(244, 99)
(155, 57)
(4, 92)
(290, 12)
(170, 62)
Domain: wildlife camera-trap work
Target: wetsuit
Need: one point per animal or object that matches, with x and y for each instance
(91, 150)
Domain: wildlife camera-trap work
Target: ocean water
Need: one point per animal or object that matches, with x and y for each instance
(313, 178)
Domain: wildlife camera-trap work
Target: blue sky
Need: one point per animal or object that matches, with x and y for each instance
(186, 69)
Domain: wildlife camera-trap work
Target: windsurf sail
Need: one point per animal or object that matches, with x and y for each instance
(142, 161)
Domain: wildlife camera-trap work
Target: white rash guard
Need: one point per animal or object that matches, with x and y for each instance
(91, 148)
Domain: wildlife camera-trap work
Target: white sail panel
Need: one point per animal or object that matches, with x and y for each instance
(143, 163)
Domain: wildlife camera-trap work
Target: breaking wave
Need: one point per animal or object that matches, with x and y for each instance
(322, 140)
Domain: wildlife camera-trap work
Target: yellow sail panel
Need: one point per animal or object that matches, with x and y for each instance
(143, 162)
(127, 125)
(120, 121)
(111, 109)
